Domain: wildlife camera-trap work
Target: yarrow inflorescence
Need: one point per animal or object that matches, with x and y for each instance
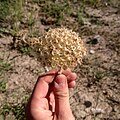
(59, 47)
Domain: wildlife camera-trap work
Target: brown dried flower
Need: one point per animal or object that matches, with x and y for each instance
(59, 47)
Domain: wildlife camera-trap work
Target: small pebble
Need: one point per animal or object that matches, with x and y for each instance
(92, 51)
(97, 111)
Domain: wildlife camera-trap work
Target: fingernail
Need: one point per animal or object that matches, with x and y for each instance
(60, 81)
(59, 85)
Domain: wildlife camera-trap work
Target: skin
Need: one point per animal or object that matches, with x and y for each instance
(50, 97)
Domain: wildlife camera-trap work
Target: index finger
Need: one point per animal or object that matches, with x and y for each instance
(42, 85)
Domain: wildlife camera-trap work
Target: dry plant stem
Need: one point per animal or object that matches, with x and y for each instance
(48, 74)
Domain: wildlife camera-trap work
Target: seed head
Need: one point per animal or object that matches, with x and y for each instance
(59, 47)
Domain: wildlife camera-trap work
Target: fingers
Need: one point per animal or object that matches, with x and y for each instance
(71, 77)
(72, 84)
(42, 86)
(61, 92)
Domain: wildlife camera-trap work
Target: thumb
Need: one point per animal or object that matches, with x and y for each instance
(61, 92)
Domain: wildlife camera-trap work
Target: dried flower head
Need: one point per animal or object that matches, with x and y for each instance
(59, 47)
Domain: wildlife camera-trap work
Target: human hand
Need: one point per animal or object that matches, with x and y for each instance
(50, 97)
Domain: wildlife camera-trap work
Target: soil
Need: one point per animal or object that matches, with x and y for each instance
(97, 92)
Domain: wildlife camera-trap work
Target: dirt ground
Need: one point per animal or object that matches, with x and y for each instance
(97, 92)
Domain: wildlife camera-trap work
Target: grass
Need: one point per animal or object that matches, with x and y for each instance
(4, 10)
(26, 50)
(11, 14)
(94, 2)
(98, 75)
(17, 110)
(2, 86)
(31, 21)
(4, 66)
(56, 10)
(80, 18)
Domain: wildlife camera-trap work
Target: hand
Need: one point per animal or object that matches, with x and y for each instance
(50, 97)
